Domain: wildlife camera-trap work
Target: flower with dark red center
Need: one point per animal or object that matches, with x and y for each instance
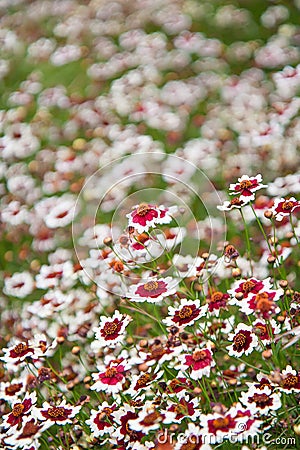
(178, 385)
(244, 341)
(111, 331)
(198, 364)
(243, 288)
(176, 412)
(185, 314)
(19, 411)
(149, 418)
(284, 207)
(124, 432)
(59, 414)
(110, 378)
(153, 291)
(236, 202)
(261, 400)
(290, 380)
(263, 304)
(246, 187)
(265, 331)
(11, 391)
(27, 436)
(146, 215)
(101, 420)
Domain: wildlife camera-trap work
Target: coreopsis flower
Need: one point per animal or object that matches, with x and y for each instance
(11, 391)
(60, 414)
(19, 411)
(185, 314)
(290, 380)
(243, 288)
(19, 285)
(141, 382)
(149, 418)
(216, 302)
(110, 378)
(153, 291)
(110, 331)
(246, 187)
(237, 421)
(145, 216)
(261, 401)
(33, 349)
(183, 408)
(198, 364)
(235, 203)
(263, 304)
(178, 385)
(264, 330)
(158, 353)
(27, 437)
(101, 420)
(124, 433)
(244, 341)
(284, 207)
(61, 214)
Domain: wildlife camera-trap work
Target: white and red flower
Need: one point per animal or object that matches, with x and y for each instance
(146, 215)
(192, 439)
(149, 418)
(246, 187)
(284, 207)
(27, 437)
(111, 331)
(19, 285)
(261, 401)
(19, 411)
(183, 408)
(10, 391)
(265, 330)
(110, 378)
(262, 304)
(153, 291)
(124, 432)
(235, 203)
(198, 364)
(290, 381)
(101, 420)
(60, 414)
(185, 314)
(243, 288)
(244, 341)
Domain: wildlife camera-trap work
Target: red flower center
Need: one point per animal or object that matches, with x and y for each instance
(287, 205)
(185, 312)
(143, 209)
(20, 348)
(290, 381)
(143, 380)
(239, 341)
(111, 372)
(18, 409)
(30, 429)
(247, 286)
(110, 328)
(221, 422)
(56, 411)
(199, 355)
(151, 286)
(245, 184)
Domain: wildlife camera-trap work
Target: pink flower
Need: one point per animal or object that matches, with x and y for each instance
(246, 187)
(284, 207)
(198, 363)
(185, 314)
(153, 291)
(110, 378)
(145, 216)
(244, 341)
